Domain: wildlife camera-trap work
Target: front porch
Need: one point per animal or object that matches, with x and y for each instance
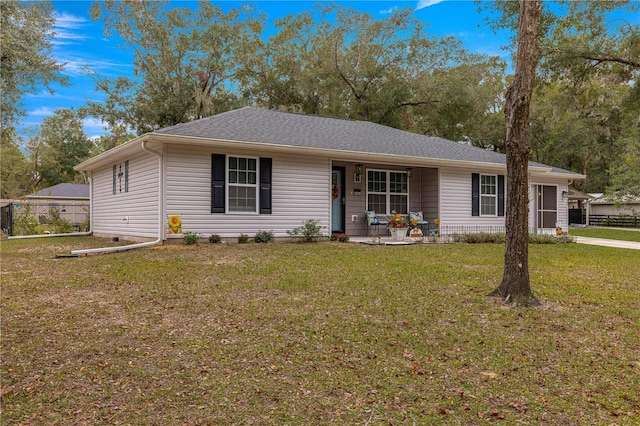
(359, 187)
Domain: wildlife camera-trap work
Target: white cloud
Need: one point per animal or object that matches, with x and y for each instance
(45, 95)
(426, 3)
(68, 21)
(68, 29)
(42, 112)
(389, 11)
(88, 66)
(93, 126)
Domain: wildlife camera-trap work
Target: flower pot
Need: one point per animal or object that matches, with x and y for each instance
(398, 234)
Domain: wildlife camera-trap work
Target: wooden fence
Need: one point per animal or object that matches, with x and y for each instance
(614, 220)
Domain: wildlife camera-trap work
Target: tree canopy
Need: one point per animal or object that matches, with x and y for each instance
(26, 66)
(57, 147)
(26, 63)
(191, 62)
(586, 105)
(329, 61)
(185, 62)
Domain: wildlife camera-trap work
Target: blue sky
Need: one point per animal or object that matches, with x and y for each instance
(79, 43)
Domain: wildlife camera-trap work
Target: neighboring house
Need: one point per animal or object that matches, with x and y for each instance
(252, 169)
(68, 201)
(601, 205)
(63, 191)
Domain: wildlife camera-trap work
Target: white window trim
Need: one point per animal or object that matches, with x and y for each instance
(388, 193)
(228, 184)
(494, 196)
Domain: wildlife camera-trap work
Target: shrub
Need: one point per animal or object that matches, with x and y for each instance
(483, 238)
(310, 231)
(190, 238)
(243, 238)
(84, 226)
(215, 239)
(343, 238)
(498, 238)
(263, 237)
(25, 224)
(564, 239)
(63, 226)
(550, 239)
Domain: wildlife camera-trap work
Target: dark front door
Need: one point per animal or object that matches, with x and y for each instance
(338, 198)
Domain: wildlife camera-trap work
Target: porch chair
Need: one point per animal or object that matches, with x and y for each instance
(420, 221)
(374, 220)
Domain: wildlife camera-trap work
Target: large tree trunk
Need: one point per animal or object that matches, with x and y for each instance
(515, 288)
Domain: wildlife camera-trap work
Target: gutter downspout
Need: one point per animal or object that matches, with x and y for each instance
(68, 234)
(160, 216)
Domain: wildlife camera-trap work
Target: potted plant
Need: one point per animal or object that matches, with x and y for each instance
(397, 226)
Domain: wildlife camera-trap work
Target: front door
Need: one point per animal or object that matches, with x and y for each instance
(338, 199)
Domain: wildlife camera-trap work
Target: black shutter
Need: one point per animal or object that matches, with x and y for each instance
(126, 176)
(475, 194)
(265, 185)
(500, 195)
(218, 173)
(114, 179)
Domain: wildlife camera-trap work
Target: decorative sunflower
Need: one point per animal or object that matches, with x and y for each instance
(175, 224)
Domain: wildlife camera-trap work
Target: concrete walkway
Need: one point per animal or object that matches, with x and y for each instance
(580, 240)
(607, 243)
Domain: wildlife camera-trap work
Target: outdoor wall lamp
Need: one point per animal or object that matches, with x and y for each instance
(409, 172)
(359, 168)
(565, 194)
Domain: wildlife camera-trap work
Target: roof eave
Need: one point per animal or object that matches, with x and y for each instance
(107, 156)
(335, 153)
(94, 162)
(53, 197)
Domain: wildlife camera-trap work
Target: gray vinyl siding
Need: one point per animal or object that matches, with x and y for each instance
(429, 184)
(455, 199)
(139, 204)
(300, 191)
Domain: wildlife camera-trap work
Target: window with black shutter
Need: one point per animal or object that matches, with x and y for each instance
(487, 195)
(240, 184)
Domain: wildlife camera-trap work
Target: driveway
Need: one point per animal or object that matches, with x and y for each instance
(608, 243)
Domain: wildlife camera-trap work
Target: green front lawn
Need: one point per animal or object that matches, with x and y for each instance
(326, 333)
(611, 234)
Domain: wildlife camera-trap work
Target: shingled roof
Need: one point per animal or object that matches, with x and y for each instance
(339, 138)
(63, 190)
(257, 125)
(271, 127)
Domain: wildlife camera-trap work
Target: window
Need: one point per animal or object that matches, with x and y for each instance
(240, 184)
(243, 184)
(488, 195)
(387, 191)
(118, 175)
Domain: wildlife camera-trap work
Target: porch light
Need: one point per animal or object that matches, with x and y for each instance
(409, 172)
(565, 194)
(359, 168)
